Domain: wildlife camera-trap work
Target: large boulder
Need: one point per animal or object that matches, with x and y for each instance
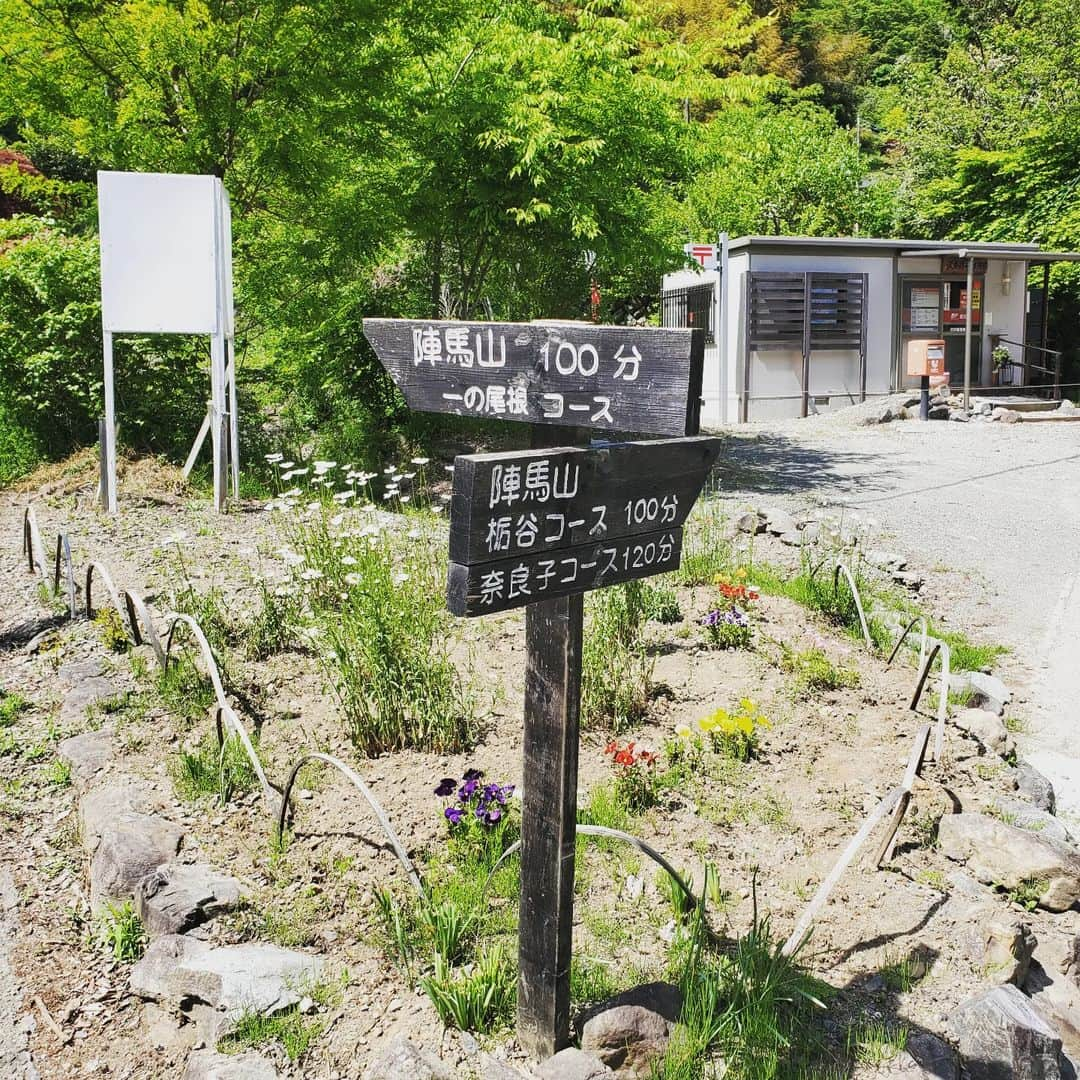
(778, 522)
(230, 979)
(988, 692)
(1003, 1037)
(630, 1032)
(402, 1059)
(573, 1064)
(1034, 786)
(87, 753)
(176, 897)
(1057, 997)
(1024, 815)
(130, 847)
(87, 692)
(1007, 948)
(986, 727)
(1001, 854)
(925, 1057)
(210, 1065)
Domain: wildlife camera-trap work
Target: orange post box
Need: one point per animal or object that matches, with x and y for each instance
(926, 357)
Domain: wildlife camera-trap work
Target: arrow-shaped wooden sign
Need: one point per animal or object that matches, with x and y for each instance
(610, 378)
(533, 525)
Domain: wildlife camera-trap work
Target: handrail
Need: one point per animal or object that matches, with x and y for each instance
(63, 549)
(353, 777)
(858, 600)
(136, 610)
(174, 618)
(233, 721)
(943, 691)
(106, 578)
(33, 548)
(1025, 345)
(614, 834)
(903, 636)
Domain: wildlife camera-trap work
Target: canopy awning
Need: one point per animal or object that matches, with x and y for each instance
(1030, 253)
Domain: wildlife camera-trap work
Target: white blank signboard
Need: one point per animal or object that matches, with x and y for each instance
(161, 241)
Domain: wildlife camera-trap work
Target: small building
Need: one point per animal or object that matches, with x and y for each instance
(799, 325)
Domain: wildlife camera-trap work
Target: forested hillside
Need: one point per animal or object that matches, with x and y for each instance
(408, 157)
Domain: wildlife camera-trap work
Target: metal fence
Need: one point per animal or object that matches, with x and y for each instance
(692, 306)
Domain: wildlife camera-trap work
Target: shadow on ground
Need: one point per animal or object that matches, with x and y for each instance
(771, 463)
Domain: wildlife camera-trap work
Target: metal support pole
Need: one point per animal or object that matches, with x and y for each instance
(924, 397)
(108, 445)
(234, 422)
(217, 419)
(967, 332)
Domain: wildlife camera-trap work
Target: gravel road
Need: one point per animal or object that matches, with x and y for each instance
(989, 513)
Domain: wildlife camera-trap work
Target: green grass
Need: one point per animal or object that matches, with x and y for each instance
(748, 1005)
(604, 807)
(383, 634)
(290, 1030)
(616, 670)
(876, 1042)
(119, 932)
(11, 706)
(114, 634)
(210, 771)
(813, 672)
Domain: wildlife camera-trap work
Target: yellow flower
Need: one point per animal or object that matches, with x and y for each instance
(683, 731)
(747, 706)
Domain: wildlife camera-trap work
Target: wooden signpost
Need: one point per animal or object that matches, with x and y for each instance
(537, 529)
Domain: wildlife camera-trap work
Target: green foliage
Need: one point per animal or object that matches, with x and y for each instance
(876, 1042)
(380, 625)
(616, 669)
(479, 998)
(814, 672)
(273, 628)
(120, 932)
(753, 1007)
(605, 807)
(290, 1030)
(661, 603)
(11, 705)
(114, 635)
(1027, 893)
(210, 771)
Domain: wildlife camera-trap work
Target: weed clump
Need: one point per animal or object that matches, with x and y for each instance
(616, 670)
(813, 672)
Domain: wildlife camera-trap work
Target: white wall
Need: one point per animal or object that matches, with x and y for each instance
(776, 375)
(711, 382)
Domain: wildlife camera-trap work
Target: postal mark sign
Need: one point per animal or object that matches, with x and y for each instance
(544, 523)
(611, 378)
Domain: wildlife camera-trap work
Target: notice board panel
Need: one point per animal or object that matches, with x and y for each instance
(161, 252)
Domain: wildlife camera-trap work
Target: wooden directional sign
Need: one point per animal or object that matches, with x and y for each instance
(611, 378)
(539, 524)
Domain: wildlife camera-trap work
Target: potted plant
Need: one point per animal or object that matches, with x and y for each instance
(999, 358)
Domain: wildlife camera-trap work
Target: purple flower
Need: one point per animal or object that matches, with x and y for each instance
(492, 816)
(468, 789)
(473, 774)
(446, 787)
(712, 618)
(453, 814)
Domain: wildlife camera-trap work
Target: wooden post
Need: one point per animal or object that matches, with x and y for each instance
(553, 635)
(553, 639)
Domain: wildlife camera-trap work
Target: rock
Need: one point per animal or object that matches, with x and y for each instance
(1003, 1037)
(959, 416)
(87, 753)
(130, 847)
(232, 979)
(1007, 948)
(77, 671)
(939, 411)
(750, 522)
(910, 579)
(1067, 407)
(1007, 416)
(209, 1065)
(1057, 997)
(493, 1069)
(885, 560)
(572, 1064)
(402, 1060)
(1001, 854)
(173, 898)
(1025, 816)
(1072, 967)
(102, 805)
(988, 692)
(779, 522)
(986, 727)
(933, 1056)
(1034, 787)
(81, 696)
(630, 1032)
(925, 1057)
(793, 539)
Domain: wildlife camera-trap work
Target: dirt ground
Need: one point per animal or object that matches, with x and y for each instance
(781, 819)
